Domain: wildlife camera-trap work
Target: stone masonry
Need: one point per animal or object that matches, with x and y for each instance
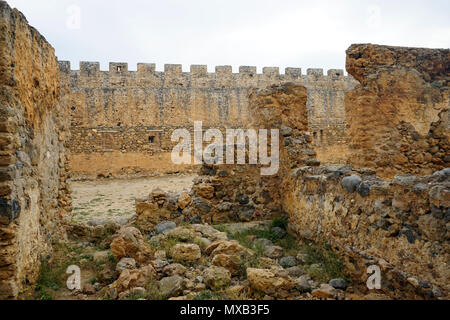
(122, 120)
(33, 164)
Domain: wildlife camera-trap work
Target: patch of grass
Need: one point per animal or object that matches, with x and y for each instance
(280, 223)
(207, 295)
(323, 254)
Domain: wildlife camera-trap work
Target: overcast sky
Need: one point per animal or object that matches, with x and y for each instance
(283, 33)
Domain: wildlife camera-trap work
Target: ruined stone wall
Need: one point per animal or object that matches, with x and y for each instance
(34, 194)
(395, 116)
(401, 225)
(120, 114)
(225, 193)
(398, 117)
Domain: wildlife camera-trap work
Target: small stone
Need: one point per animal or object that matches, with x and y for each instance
(186, 252)
(138, 291)
(159, 264)
(325, 292)
(174, 269)
(171, 286)
(287, 262)
(338, 283)
(279, 232)
(97, 286)
(302, 285)
(126, 263)
(184, 200)
(285, 131)
(295, 272)
(351, 183)
(274, 252)
(217, 277)
(164, 227)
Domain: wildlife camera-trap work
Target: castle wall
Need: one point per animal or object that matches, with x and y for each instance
(133, 113)
(33, 169)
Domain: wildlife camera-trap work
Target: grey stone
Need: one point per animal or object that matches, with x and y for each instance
(171, 286)
(224, 206)
(279, 232)
(295, 271)
(420, 187)
(351, 183)
(338, 283)
(287, 262)
(201, 205)
(409, 234)
(159, 264)
(165, 227)
(274, 252)
(243, 199)
(246, 213)
(363, 189)
(302, 285)
(405, 180)
(285, 131)
(126, 263)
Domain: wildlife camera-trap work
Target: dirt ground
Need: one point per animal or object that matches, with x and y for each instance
(115, 199)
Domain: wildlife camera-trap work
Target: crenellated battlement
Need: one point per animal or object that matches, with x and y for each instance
(247, 74)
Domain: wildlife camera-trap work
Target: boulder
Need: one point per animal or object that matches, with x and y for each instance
(174, 269)
(186, 252)
(129, 243)
(171, 286)
(273, 282)
(287, 262)
(132, 278)
(216, 277)
(164, 227)
(338, 283)
(230, 262)
(225, 247)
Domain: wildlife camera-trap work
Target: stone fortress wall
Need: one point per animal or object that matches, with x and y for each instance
(34, 193)
(122, 120)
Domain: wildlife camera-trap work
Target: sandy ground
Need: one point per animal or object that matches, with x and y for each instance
(115, 199)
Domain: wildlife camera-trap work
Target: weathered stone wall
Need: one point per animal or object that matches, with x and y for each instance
(239, 192)
(116, 113)
(400, 225)
(398, 118)
(34, 194)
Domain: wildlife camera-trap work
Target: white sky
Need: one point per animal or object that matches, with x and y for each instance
(282, 33)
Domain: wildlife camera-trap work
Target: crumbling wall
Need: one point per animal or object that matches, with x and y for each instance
(122, 120)
(34, 193)
(398, 118)
(240, 192)
(398, 124)
(401, 225)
